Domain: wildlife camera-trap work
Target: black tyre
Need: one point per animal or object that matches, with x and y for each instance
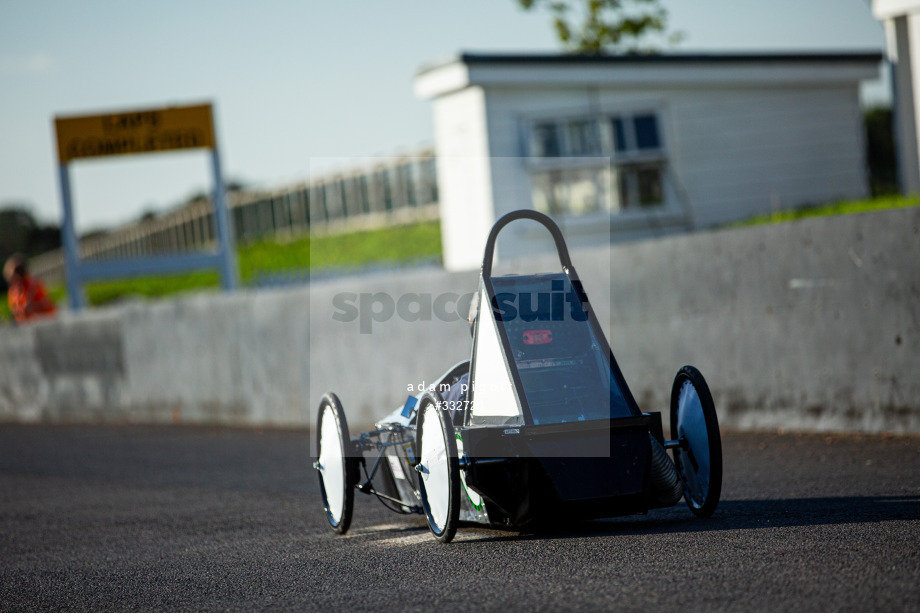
(439, 468)
(336, 463)
(695, 425)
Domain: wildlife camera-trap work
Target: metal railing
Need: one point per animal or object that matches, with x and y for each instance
(391, 191)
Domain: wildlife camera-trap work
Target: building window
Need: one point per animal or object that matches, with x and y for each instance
(639, 184)
(646, 127)
(571, 191)
(619, 133)
(546, 140)
(582, 138)
(608, 162)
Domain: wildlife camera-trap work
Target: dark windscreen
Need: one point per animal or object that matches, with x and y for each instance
(565, 374)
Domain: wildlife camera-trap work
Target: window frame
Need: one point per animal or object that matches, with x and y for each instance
(622, 165)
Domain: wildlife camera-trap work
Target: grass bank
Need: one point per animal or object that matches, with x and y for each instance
(840, 208)
(400, 243)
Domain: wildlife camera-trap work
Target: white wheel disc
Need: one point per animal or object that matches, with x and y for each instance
(691, 424)
(332, 464)
(436, 473)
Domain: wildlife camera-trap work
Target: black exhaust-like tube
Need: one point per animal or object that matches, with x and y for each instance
(667, 486)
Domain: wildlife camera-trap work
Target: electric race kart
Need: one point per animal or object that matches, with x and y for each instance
(538, 425)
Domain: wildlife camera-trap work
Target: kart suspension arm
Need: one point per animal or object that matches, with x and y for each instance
(683, 444)
(368, 489)
(465, 462)
(366, 486)
(670, 444)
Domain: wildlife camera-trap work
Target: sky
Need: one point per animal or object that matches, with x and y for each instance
(296, 85)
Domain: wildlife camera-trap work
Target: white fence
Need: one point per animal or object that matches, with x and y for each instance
(391, 191)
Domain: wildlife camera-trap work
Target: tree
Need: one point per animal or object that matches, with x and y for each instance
(16, 227)
(599, 26)
(21, 233)
(147, 215)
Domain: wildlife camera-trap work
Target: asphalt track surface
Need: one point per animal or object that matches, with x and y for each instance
(182, 518)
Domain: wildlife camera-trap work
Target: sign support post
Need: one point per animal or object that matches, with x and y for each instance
(70, 243)
(223, 227)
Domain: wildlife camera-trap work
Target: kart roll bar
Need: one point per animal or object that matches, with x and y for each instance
(569, 271)
(528, 214)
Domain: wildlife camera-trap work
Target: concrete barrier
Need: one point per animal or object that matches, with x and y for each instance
(813, 325)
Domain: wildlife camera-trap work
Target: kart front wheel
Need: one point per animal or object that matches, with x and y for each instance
(438, 467)
(335, 463)
(699, 456)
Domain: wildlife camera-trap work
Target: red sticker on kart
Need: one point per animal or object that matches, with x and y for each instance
(538, 337)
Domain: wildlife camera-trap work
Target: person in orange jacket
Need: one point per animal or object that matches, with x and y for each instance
(27, 296)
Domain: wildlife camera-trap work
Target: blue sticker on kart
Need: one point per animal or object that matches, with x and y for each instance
(411, 402)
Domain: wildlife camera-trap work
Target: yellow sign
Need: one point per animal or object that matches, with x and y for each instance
(133, 132)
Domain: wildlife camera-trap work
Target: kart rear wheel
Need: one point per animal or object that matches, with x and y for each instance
(336, 465)
(695, 425)
(439, 469)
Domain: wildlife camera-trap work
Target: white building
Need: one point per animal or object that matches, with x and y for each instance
(623, 147)
(902, 31)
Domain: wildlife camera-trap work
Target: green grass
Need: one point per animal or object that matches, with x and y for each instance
(399, 243)
(839, 208)
(387, 244)
(100, 293)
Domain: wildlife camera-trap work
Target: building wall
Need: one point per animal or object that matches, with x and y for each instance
(743, 152)
(738, 140)
(509, 110)
(464, 175)
(733, 153)
(901, 19)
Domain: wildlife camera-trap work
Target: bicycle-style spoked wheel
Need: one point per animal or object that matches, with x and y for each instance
(335, 463)
(439, 468)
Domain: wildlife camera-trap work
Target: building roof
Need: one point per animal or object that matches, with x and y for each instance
(790, 67)
(654, 58)
(888, 9)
